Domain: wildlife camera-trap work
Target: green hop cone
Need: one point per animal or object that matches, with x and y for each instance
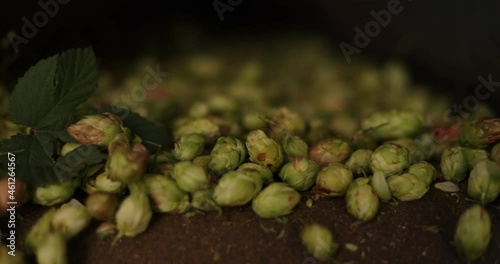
(454, 164)
(480, 133)
(202, 126)
(294, 146)
(380, 186)
(54, 194)
(329, 150)
(48, 245)
(359, 161)
(484, 181)
(40, 230)
(88, 181)
(105, 229)
(53, 250)
(407, 187)
(227, 154)
(473, 156)
(285, 121)
(360, 181)
(237, 188)
(119, 141)
(424, 171)
(101, 205)
(133, 215)
(165, 195)
(392, 124)
(275, 200)
(319, 241)
(5, 257)
(264, 150)
(203, 200)
(389, 159)
(473, 233)
(96, 129)
(333, 180)
(415, 154)
(362, 201)
(189, 146)
(70, 219)
(190, 177)
(259, 170)
(300, 174)
(127, 164)
(101, 182)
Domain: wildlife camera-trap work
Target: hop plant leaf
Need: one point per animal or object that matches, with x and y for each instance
(44, 99)
(154, 136)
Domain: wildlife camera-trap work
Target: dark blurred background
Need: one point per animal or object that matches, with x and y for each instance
(448, 44)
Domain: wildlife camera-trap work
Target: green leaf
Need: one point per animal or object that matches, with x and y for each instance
(152, 135)
(76, 79)
(38, 169)
(32, 165)
(47, 141)
(32, 97)
(46, 96)
(45, 99)
(73, 163)
(64, 136)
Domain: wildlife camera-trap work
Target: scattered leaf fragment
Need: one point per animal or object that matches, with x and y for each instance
(267, 229)
(351, 247)
(433, 229)
(282, 220)
(309, 203)
(281, 234)
(447, 186)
